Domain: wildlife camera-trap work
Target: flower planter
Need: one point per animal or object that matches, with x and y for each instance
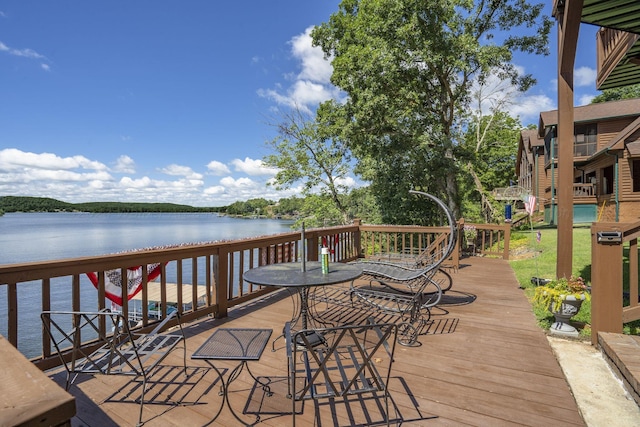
(567, 309)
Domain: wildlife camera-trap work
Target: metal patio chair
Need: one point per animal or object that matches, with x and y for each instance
(113, 349)
(341, 362)
(408, 290)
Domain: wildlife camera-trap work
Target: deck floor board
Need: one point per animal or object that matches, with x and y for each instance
(483, 361)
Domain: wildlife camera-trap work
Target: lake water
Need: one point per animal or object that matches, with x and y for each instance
(28, 237)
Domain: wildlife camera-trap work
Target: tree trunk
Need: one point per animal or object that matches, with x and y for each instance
(485, 204)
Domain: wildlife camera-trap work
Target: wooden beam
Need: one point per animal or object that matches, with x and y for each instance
(568, 30)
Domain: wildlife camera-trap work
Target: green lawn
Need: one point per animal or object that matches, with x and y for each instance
(530, 258)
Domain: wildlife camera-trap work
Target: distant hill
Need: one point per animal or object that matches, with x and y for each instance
(45, 204)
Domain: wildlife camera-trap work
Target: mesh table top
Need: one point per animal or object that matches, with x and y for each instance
(234, 344)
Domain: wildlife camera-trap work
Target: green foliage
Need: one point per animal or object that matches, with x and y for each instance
(43, 204)
(250, 207)
(311, 153)
(408, 68)
(625, 92)
(291, 206)
(552, 294)
(33, 204)
(489, 149)
(319, 211)
(531, 258)
(362, 204)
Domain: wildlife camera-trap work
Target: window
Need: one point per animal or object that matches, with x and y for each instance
(635, 174)
(607, 180)
(586, 140)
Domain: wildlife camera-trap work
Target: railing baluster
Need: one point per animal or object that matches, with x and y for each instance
(194, 283)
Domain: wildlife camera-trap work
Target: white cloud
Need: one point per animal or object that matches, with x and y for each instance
(125, 164)
(45, 67)
(12, 158)
(215, 190)
(585, 99)
(77, 179)
(252, 167)
(529, 107)
(25, 53)
(314, 67)
(217, 168)
(238, 184)
(585, 76)
(177, 170)
(346, 182)
(312, 84)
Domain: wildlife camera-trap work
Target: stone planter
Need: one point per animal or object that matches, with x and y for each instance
(569, 307)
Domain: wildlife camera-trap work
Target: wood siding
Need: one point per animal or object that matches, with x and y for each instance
(607, 130)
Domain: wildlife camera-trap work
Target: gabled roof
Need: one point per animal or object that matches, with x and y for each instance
(621, 138)
(532, 138)
(593, 113)
(528, 140)
(618, 142)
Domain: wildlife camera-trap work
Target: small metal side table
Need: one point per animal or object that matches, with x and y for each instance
(240, 344)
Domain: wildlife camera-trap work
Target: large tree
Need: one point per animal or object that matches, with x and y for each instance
(408, 68)
(309, 152)
(624, 92)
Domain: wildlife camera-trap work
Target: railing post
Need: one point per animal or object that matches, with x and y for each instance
(606, 282)
(312, 247)
(221, 277)
(357, 238)
(507, 238)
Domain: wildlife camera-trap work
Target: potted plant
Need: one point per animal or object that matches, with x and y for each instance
(563, 298)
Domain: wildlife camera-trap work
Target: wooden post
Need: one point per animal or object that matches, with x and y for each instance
(606, 282)
(222, 283)
(568, 29)
(357, 238)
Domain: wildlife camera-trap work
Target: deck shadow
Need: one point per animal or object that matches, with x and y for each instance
(356, 410)
(168, 387)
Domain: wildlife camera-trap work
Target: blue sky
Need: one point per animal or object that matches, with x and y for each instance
(166, 101)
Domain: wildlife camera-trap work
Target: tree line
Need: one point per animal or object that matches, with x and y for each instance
(316, 210)
(45, 204)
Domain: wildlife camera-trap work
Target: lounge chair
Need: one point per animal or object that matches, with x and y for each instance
(408, 290)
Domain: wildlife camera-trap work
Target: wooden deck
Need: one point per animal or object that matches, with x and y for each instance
(482, 361)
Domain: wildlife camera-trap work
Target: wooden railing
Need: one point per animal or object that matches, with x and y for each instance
(217, 267)
(379, 240)
(510, 193)
(614, 275)
(486, 239)
(584, 190)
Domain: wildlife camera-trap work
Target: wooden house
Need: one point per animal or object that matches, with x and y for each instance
(606, 162)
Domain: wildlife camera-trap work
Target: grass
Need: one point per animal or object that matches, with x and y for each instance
(533, 258)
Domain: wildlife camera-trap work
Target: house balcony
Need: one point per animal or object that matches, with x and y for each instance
(618, 58)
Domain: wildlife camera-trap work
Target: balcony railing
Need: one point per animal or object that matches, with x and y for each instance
(217, 267)
(584, 190)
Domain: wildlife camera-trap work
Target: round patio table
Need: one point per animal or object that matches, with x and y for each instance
(291, 275)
